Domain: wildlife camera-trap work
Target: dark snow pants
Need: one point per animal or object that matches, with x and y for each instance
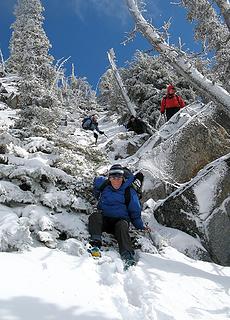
(116, 226)
(170, 112)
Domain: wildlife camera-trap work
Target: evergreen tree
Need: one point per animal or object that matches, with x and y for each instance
(78, 96)
(30, 59)
(145, 79)
(179, 59)
(214, 34)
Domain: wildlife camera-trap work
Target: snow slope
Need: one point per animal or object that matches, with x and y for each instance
(49, 284)
(65, 283)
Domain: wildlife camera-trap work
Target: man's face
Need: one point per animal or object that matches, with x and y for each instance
(116, 182)
(171, 91)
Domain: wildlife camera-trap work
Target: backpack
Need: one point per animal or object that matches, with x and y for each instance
(86, 123)
(178, 100)
(136, 185)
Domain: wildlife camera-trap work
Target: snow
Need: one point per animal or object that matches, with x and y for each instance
(50, 284)
(59, 280)
(6, 117)
(204, 196)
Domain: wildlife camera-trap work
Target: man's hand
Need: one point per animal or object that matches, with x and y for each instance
(147, 229)
(101, 132)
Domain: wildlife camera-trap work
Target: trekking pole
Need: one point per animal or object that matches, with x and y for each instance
(157, 240)
(158, 121)
(105, 135)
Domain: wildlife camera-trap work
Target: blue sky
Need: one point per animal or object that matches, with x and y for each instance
(87, 29)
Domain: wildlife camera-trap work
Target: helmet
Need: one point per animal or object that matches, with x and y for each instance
(116, 170)
(170, 87)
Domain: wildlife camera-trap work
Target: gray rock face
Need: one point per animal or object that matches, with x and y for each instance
(193, 158)
(192, 140)
(202, 208)
(202, 140)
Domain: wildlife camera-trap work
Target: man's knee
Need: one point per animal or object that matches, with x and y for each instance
(122, 225)
(95, 218)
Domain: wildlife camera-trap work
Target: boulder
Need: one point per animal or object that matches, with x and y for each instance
(195, 137)
(201, 208)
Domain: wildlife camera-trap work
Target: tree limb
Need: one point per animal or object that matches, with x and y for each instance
(178, 60)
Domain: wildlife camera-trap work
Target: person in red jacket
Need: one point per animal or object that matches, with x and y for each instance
(171, 103)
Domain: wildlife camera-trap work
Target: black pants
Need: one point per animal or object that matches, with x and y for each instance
(118, 227)
(170, 112)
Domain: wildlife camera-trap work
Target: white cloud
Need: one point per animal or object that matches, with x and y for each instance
(109, 8)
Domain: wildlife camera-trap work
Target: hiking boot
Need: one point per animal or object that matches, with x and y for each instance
(128, 258)
(95, 252)
(94, 248)
(129, 263)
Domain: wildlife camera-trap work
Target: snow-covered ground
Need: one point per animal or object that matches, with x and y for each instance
(43, 284)
(40, 283)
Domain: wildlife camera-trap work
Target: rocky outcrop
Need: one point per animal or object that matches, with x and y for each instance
(9, 90)
(201, 208)
(189, 141)
(188, 171)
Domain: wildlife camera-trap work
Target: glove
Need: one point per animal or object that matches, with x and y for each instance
(101, 132)
(138, 181)
(147, 229)
(95, 135)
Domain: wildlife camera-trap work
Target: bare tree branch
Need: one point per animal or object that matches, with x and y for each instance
(178, 59)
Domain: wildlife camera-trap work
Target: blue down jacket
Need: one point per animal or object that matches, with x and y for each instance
(112, 202)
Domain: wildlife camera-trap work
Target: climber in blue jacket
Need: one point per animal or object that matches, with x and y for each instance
(118, 205)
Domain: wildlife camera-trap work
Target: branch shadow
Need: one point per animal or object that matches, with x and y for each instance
(27, 308)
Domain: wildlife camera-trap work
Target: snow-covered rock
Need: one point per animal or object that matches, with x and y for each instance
(14, 234)
(190, 140)
(201, 208)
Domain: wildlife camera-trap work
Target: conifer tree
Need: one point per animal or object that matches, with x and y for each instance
(180, 61)
(30, 59)
(214, 35)
(77, 95)
(145, 78)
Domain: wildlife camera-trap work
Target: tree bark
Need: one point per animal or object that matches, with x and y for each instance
(224, 6)
(179, 60)
(129, 104)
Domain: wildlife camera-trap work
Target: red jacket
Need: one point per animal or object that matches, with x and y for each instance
(171, 102)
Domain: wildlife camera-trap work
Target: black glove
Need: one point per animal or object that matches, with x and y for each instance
(138, 181)
(101, 132)
(139, 176)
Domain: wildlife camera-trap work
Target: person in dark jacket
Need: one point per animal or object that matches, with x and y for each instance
(136, 125)
(90, 123)
(171, 103)
(114, 215)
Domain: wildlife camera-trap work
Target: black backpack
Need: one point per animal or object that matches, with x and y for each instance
(84, 126)
(136, 185)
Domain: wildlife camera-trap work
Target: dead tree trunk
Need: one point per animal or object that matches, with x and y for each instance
(179, 60)
(129, 104)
